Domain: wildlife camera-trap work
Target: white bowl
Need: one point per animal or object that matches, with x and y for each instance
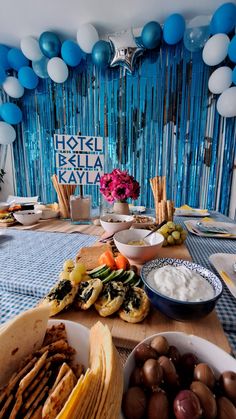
(4, 206)
(27, 217)
(205, 351)
(78, 338)
(137, 253)
(120, 222)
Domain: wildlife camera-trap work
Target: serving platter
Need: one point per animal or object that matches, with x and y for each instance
(193, 212)
(127, 335)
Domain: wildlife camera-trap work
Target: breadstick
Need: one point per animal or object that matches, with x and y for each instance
(164, 215)
(164, 188)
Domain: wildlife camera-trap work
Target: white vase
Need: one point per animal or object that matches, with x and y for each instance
(121, 208)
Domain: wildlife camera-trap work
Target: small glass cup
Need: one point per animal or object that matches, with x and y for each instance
(80, 209)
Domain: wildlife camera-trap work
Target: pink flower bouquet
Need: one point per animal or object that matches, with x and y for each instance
(119, 186)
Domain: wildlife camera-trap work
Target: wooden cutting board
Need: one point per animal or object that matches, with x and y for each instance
(127, 335)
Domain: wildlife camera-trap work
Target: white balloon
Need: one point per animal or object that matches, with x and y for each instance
(7, 133)
(87, 37)
(30, 48)
(13, 87)
(216, 49)
(57, 70)
(220, 80)
(197, 21)
(226, 104)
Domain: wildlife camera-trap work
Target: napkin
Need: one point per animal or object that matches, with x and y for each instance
(186, 207)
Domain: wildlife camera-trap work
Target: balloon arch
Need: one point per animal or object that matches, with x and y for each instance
(22, 68)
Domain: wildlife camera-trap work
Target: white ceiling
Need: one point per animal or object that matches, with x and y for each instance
(20, 18)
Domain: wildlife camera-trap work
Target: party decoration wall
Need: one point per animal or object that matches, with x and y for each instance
(121, 73)
(162, 120)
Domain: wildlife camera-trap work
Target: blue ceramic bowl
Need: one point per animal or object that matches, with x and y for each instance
(176, 309)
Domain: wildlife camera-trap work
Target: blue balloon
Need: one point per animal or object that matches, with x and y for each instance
(3, 57)
(10, 113)
(224, 19)
(40, 67)
(234, 75)
(71, 53)
(232, 49)
(101, 54)
(151, 35)
(28, 78)
(50, 44)
(173, 30)
(17, 59)
(196, 38)
(2, 74)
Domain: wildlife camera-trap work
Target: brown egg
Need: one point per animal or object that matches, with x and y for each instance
(174, 355)
(144, 352)
(225, 409)
(134, 403)
(187, 405)
(160, 344)
(152, 373)
(202, 372)
(228, 383)
(206, 398)
(158, 406)
(169, 371)
(136, 378)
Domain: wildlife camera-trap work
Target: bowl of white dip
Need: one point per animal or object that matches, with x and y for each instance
(180, 289)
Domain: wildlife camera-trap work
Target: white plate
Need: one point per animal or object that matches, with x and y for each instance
(78, 338)
(206, 351)
(231, 227)
(151, 221)
(137, 208)
(194, 212)
(224, 262)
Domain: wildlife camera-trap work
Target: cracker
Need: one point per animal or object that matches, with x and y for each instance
(62, 371)
(6, 406)
(33, 396)
(25, 382)
(37, 380)
(35, 405)
(16, 407)
(57, 346)
(58, 397)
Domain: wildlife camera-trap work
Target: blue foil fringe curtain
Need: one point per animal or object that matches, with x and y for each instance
(161, 120)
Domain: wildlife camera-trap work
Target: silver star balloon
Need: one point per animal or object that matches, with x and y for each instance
(126, 50)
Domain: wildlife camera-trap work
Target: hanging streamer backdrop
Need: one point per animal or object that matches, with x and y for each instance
(161, 120)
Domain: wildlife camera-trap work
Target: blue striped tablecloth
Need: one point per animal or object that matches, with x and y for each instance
(200, 248)
(31, 261)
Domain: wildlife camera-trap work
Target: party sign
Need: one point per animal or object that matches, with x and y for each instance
(79, 159)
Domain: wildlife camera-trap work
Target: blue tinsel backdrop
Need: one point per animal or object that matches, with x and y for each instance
(161, 120)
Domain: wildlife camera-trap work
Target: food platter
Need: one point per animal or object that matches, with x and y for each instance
(192, 226)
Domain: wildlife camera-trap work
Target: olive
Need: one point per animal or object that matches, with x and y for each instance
(152, 373)
(174, 355)
(144, 352)
(228, 383)
(225, 409)
(160, 344)
(136, 378)
(187, 405)
(188, 361)
(158, 406)
(206, 398)
(134, 403)
(202, 372)
(169, 371)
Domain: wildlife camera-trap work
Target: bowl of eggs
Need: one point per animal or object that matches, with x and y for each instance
(112, 223)
(175, 375)
(134, 245)
(180, 289)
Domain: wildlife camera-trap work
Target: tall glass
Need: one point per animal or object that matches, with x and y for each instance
(80, 209)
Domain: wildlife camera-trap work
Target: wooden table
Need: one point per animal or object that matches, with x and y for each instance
(125, 334)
